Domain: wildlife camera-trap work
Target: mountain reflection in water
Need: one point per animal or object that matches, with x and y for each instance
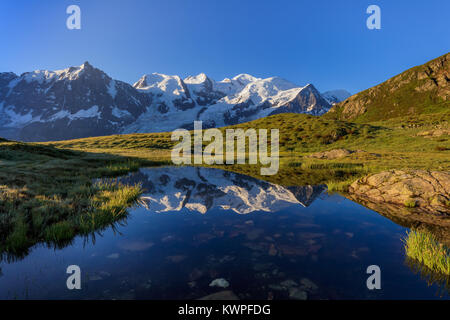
(202, 189)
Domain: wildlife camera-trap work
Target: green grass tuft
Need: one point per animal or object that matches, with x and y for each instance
(423, 247)
(410, 203)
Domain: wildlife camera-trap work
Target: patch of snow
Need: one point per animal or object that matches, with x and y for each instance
(200, 78)
(92, 112)
(245, 78)
(17, 119)
(60, 115)
(112, 89)
(119, 113)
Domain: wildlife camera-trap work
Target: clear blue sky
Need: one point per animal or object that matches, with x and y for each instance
(321, 42)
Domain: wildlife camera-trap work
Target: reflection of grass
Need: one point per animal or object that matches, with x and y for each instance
(339, 186)
(309, 172)
(431, 277)
(423, 247)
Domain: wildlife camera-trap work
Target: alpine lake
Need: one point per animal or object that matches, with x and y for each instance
(207, 233)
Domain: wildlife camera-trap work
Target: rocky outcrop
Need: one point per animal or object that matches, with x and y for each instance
(434, 133)
(426, 191)
(411, 218)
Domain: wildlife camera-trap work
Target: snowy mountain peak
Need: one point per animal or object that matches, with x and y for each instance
(160, 84)
(86, 65)
(198, 79)
(71, 73)
(245, 78)
(336, 96)
(312, 88)
(70, 103)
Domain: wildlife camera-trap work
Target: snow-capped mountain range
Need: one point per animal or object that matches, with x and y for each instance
(200, 189)
(84, 101)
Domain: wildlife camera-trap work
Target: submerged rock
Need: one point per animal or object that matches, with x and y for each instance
(429, 191)
(176, 258)
(276, 287)
(135, 245)
(195, 274)
(254, 234)
(221, 282)
(221, 295)
(297, 294)
(96, 276)
(272, 250)
(288, 283)
(262, 266)
(289, 250)
(308, 284)
(147, 285)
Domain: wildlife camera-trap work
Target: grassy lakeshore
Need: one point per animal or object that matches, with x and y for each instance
(50, 195)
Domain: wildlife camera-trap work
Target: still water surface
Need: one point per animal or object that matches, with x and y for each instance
(195, 225)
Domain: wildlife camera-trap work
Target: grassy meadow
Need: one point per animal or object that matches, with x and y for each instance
(393, 144)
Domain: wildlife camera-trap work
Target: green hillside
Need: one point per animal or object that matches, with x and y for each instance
(424, 89)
